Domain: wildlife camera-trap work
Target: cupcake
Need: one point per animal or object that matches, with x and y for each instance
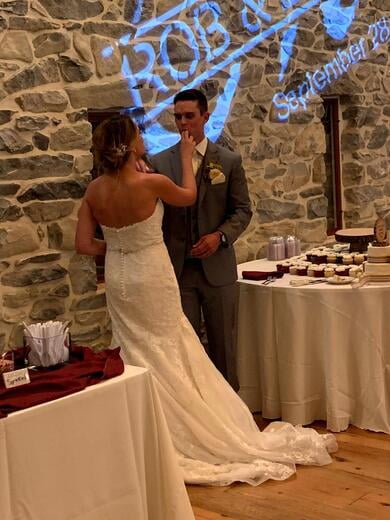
(341, 270)
(322, 257)
(318, 271)
(331, 258)
(347, 259)
(328, 272)
(293, 269)
(302, 270)
(310, 269)
(354, 271)
(309, 255)
(358, 258)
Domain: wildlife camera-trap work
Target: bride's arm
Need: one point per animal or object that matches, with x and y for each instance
(165, 189)
(85, 242)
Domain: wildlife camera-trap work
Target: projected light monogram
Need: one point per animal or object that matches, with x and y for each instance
(211, 44)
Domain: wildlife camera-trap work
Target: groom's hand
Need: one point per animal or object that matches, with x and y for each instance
(206, 245)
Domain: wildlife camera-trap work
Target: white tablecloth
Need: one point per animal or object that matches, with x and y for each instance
(103, 453)
(315, 352)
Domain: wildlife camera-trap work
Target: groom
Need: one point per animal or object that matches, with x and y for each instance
(200, 238)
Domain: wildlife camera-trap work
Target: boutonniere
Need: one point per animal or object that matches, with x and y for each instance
(214, 173)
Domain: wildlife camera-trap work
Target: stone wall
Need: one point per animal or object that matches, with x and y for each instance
(52, 70)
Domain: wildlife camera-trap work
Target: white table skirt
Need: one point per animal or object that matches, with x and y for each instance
(101, 454)
(315, 352)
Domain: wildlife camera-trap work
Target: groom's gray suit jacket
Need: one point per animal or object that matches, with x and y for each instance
(225, 207)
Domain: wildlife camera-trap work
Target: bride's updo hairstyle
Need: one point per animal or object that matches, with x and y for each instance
(112, 141)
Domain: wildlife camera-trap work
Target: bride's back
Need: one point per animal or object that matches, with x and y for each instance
(121, 199)
(120, 195)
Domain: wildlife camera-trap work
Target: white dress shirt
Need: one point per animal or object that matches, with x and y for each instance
(199, 153)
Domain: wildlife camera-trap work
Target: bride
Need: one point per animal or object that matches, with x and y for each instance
(214, 434)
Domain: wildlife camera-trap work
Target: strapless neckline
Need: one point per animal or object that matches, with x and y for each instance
(121, 228)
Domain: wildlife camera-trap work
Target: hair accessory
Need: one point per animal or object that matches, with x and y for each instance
(121, 150)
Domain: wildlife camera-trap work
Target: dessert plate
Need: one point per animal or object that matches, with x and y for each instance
(340, 280)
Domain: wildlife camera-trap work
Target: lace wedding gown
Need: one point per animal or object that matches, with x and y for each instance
(214, 434)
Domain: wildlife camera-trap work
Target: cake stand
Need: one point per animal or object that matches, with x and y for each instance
(357, 238)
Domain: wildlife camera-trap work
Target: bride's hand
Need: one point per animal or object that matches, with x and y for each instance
(187, 144)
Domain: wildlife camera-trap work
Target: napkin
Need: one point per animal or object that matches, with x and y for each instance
(85, 368)
(48, 342)
(260, 275)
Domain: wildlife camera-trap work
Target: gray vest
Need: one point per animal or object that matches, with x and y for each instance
(192, 229)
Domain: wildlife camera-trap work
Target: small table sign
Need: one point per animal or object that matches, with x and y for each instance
(16, 378)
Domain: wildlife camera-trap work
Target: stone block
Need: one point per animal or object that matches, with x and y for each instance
(82, 273)
(51, 43)
(353, 174)
(33, 276)
(73, 9)
(362, 194)
(72, 137)
(16, 240)
(31, 123)
(378, 137)
(42, 102)
(310, 141)
(16, 46)
(13, 142)
(47, 309)
(271, 210)
(96, 301)
(72, 189)
(312, 232)
(105, 66)
(297, 176)
(73, 70)
(103, 95)
(9, 211)
(41, 73)
(36, 166)
(49, 211)
(29, 24)
(317, 207)
(61, 234)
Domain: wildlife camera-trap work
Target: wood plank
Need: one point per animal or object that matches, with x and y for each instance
(356, 486)
(373, 505)
(202, 514)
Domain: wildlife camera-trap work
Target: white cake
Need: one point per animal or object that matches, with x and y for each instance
(377, 269)
(378, 254)
(378, 262)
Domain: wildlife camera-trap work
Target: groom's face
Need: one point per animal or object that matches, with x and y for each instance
(189, 117)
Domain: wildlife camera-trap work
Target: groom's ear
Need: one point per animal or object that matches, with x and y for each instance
(206, 116)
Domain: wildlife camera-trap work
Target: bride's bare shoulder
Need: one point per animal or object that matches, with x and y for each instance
(97, 185)
(153, 178)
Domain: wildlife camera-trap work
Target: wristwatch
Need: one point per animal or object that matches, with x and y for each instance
(224, 240)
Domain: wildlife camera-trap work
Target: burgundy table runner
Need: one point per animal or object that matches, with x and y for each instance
(85, 368)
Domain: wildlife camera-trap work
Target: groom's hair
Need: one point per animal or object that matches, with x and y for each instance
(193, 94)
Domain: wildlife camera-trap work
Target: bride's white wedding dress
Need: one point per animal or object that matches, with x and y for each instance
(215, 436)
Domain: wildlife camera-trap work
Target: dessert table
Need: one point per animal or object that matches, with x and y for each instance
(102, 453)
(315, 352)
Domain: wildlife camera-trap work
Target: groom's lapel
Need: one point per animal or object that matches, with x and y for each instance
(176, 164)
(211, 156)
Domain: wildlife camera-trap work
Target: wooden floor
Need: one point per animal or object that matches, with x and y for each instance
(356, 486)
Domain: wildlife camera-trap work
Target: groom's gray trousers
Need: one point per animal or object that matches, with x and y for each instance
(219, 308)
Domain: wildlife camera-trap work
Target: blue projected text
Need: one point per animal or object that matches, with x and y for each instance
(210, 49)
